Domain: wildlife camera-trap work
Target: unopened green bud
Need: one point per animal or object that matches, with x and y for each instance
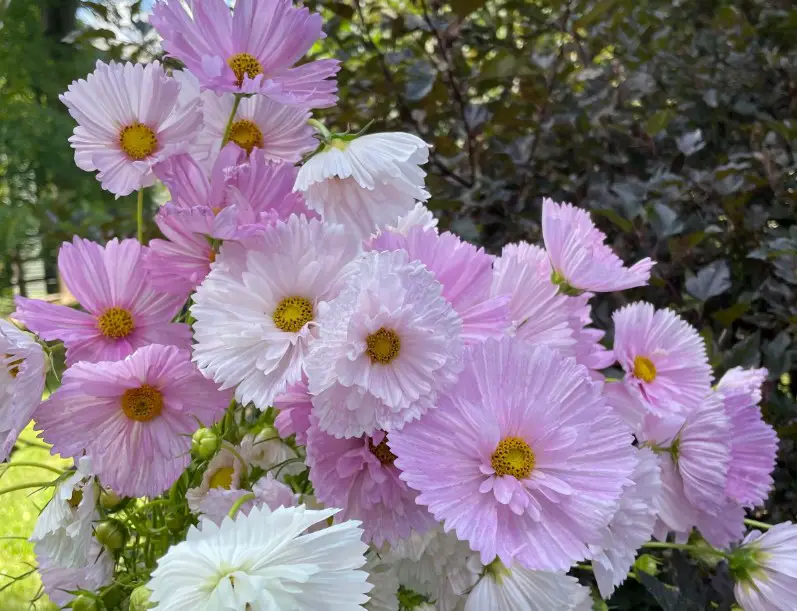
(81, 602)
(205, 443)
(109, 499)
(139, 599)
(647, 564)
(267, 432)
(111, 534)
(175, 522)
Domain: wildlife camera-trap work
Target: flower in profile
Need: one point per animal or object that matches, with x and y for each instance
(295, 406)
(253, 330)
(664, 358)
(128, 119)
(59, 580)
(390, 345)
(384, 595)
(465, 273)
(63, 532)
(145, 407)
(220, 486)
(22, 374)
(763, 568)
(748, 381)
(419, 216)
(123, 311)
(580, 258)
(264, 560)
(510, 589)
(359, 475)
(367, 183)
(631, 526)
(498, 462)
(252, 49)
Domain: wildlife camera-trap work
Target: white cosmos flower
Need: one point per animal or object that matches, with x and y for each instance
(631, 526)
(503, 589)
(264, 561)
(58, 580)
(419, 216)
(386, 584)
(22, 373)
(365, 183)
(63, 532)
(254, 324)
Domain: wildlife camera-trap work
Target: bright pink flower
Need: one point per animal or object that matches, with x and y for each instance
(123, 311)
(663, 356)
(134, 417)
(128, 119)
(465, 273)
(522, 458)
(250, 50)
(294, 407)
(358, 475)
(579, 255)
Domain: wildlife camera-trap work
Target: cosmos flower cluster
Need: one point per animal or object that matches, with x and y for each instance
(351, 408)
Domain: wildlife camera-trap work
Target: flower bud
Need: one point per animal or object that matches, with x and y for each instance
(647, 564)
(175, 522)
(205, 443)
(82, 602)
(111, 534)
(109, 499)
(139, 599)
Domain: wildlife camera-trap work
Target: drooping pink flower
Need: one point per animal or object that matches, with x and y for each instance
(134, 417)
(579, 255)
(465, 273)
(128, 120)
(22, 373)
(122, 310)
(252, 49)
(358, 474)
(522, 457)
(295, 406)
(664, 358)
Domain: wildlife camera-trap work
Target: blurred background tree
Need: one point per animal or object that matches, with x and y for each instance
(673, 121)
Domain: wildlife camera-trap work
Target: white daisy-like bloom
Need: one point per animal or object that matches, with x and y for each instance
(58, 580)
(260, 122)
(419, 216)
(631, 526)
(264, 561)
(253, 330)
(63, 532)
(366, 183)
(437, 565)
(765, 569)
(511, 589)
(267, 451)
(383, 577)
(22, 373)
(220, 486)
(389, 345)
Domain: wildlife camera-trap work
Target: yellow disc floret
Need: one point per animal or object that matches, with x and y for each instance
(292, 314)
(116, 323)
(138, 141)
(644, 369)
(142, 404)
(244, 64)
(222, 478)
(514, 457)
(383, 346)
(246, 134)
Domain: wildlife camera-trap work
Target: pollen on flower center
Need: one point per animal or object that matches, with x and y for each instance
(142, 404)
(244, 64)
(13, 366)
(382, 451)
(222, 478)
(246, 134)
(383, 346)
(116, 323)
(138, 141)
(292, 314)
(212, 255)
(76, 498)
(514, 457)
(644, 369)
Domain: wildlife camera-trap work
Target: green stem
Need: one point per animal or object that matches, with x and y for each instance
(140, 215)
(239, 503)
(662, 545)
(25, 486)
(757, 524)
(231, 120)
(22, 463)
(585, 567)
(321, 129)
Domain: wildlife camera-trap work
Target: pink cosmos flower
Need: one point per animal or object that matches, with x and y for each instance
(465, 273)
(295, 406)
(358, 475)
(128, 120)
(579, 255)
(123, 311)
(22, 373)
(250, 50)
(521, 458)
(664, 358)
(134, 417)
(745, 380)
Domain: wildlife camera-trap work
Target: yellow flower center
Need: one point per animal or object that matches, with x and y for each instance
(142, 404)
(138, 141)
(292, 314)
(212, 255)
(244, 64)
(383, 346)
(382, 451)
(116, 323)
(75, 499)
(246, 134)
(13, 366)
(514, 457)
(222, 478)
(644, 369)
